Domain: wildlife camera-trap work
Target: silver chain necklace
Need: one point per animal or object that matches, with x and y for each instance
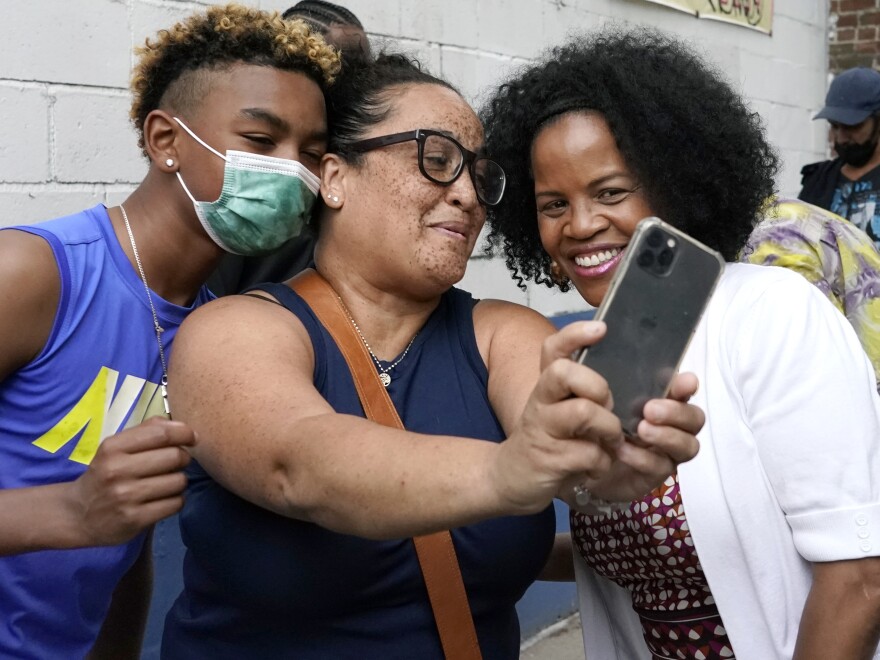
(159, 329)
(384, 376)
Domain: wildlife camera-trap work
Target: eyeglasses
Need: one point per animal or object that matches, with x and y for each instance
(442, 160)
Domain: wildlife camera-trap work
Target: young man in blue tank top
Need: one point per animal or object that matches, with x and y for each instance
(229, 100)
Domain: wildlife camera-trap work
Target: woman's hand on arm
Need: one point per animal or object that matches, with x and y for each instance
(841, 618)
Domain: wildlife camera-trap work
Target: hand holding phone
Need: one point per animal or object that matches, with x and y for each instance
(652, 308)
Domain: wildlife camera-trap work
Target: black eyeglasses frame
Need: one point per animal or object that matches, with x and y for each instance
(420, 135)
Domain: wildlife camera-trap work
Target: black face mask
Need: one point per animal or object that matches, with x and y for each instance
(856, 154)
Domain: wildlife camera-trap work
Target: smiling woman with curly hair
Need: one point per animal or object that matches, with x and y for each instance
(698, 153)
(759, 546)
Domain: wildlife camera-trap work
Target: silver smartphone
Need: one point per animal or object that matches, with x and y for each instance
(652, 308)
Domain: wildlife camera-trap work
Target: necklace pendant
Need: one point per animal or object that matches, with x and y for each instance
(386, 379)
(165, 397)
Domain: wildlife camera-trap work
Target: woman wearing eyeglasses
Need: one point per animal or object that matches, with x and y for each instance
(300, 512)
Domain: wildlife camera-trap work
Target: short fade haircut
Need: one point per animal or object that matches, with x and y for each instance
(170, 69)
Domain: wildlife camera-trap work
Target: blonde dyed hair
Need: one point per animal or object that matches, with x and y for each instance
(169, 66)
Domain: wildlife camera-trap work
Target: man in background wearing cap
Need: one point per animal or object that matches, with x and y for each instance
(849, 185)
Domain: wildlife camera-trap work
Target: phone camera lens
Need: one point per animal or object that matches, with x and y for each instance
(665, 257)
(646, 258)
(655, 238)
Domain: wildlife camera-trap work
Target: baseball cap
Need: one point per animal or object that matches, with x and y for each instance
(854, 96)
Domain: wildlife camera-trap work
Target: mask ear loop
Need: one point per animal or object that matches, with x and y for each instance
(206, 146)
(198, 139)
(186, 190)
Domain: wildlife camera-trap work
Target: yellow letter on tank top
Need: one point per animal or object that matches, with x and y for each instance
(100, 411)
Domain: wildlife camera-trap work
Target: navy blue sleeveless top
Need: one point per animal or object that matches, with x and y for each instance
(259, 585)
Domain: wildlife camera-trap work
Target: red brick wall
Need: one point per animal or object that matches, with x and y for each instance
(855, 37)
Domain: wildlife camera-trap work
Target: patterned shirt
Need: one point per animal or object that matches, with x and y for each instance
(649, 550)
(832, 253)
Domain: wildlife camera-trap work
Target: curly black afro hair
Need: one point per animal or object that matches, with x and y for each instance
(698, 151)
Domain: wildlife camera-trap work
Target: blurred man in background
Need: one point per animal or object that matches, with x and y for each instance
(849, 185)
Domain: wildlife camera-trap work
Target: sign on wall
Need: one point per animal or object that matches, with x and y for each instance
(755, 14)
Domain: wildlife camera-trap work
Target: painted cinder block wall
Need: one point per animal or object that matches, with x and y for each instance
(66, 143)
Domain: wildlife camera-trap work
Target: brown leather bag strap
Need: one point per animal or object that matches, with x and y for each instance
(452, 612)
(436, 553)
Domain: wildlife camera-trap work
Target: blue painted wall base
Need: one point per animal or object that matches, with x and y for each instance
(545, 603)
(168, 551)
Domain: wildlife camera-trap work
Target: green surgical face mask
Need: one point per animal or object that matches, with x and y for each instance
(264, 203)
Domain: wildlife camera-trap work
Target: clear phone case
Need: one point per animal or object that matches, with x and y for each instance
(652, 308)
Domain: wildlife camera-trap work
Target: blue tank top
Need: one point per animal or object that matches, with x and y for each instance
(259, 585)
(97, 374)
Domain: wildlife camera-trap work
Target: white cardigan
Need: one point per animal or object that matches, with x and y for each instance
(788, 471)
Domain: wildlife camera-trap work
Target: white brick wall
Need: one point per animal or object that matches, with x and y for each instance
(94, 141)
(78, 43)
(24, 133)
(65, 140)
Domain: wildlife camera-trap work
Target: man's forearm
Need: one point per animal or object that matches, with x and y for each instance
(38, 518)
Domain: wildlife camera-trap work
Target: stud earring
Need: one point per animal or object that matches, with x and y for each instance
(334, 198)
(169, 162)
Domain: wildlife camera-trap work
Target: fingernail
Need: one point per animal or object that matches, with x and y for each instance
(646, 431)
(653, 411)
